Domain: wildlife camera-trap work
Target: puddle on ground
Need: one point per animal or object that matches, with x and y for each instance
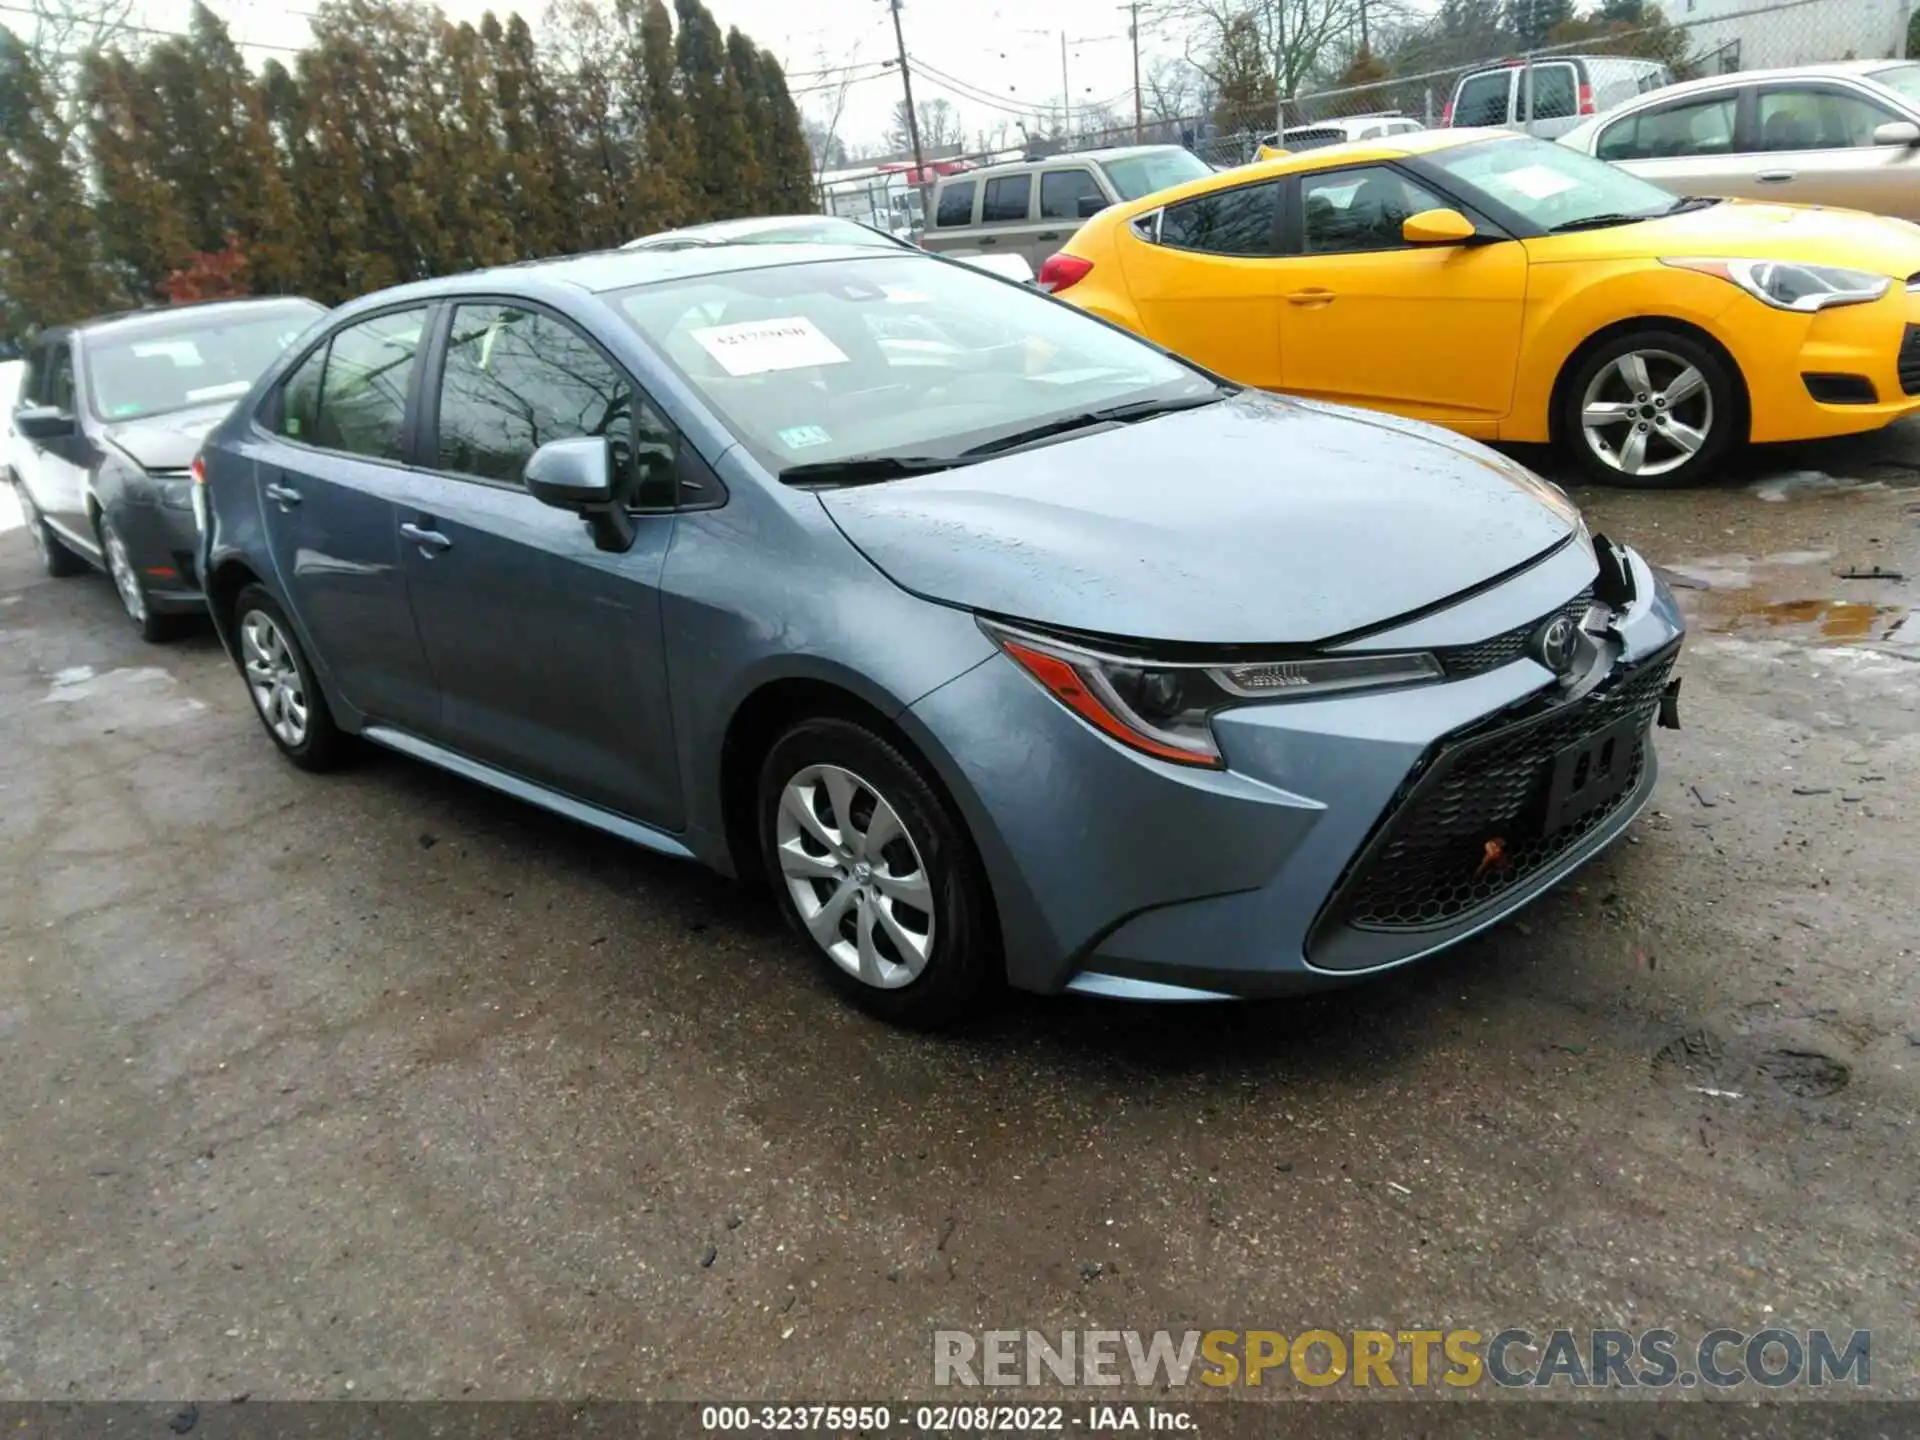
(1738, 594)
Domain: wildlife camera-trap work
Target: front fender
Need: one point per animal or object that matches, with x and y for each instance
(1571, 301)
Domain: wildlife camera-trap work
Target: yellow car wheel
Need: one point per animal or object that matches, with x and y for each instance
(1653, 409)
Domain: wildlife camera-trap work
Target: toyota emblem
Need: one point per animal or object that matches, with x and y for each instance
(1554, 643)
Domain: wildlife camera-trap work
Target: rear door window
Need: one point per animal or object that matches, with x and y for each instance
(1008, 198)
(1483, 99)
(363, 391)
(1226, 222)
(1061, 192)
(956, 206)
(1702, 126)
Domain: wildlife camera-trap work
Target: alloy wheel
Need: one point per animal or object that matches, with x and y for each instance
(856, 876)
(273, 678)
(1648, 412)
(120, 566)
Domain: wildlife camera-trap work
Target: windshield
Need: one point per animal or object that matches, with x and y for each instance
(154, 367)
(1551, 185)
(1151, 170)
(889, 356)
(1903, 80)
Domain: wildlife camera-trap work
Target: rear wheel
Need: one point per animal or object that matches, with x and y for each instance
(280, 681)
(872, 868)
(1651, 409)
(55, 558)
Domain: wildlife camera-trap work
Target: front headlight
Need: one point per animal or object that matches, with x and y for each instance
(1789, 285)
(1165, 708)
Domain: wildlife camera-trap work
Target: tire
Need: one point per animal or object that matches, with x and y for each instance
(840, 774)
(280, 682)
(55, 558)
(1652, 438)
(132, 590)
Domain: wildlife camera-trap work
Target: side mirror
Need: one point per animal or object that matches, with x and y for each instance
(42, 422)
(1437, 227)
(577, 475)
(1897, 132)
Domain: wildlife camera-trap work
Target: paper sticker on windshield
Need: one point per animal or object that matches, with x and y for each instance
(753, 347)
(1536, 182)
(800, 436)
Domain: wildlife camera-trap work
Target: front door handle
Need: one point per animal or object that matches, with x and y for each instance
(989, 240)
(1312, 296)
(431, 542)
(1048, 235)
(284, 495)
(1774, 177)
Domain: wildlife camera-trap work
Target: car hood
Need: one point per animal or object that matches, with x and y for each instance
(170, 441)
(1255, 521)
(1739, 229)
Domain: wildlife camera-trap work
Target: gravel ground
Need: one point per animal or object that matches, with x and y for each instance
(382, 1085)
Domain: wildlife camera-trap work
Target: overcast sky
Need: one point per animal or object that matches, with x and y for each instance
(996, 48)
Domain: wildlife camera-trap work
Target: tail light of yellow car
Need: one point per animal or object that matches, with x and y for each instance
(1061, 270)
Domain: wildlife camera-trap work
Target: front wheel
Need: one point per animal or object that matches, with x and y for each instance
(872, 868)
(153, 626)
(1650, 409)
(280, 681)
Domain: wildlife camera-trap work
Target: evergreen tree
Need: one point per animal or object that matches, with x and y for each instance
(723, 171)
(1245, 99)
(50, 269)
(661, 187)
(1532, 19)
(142, 233)
(533, 148)
(787, 171)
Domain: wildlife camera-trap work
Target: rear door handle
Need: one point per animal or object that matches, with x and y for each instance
(1048, 235)
(1314, 296)
(430, 541)
(285, 495)
(1774, 177)
(989, 240)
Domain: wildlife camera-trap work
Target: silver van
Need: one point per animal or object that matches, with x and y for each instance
(1565, 89)
(1031, 207)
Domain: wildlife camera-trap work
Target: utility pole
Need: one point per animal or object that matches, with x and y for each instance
(1066, 95)
(913, 119)
(1133, 34)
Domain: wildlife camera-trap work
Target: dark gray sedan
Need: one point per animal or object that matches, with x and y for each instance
(1002, 645)
(109, 417)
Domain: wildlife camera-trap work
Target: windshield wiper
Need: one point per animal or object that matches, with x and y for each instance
(1692, 202)
(1596, 222)
(866, 469)
(1087, 419)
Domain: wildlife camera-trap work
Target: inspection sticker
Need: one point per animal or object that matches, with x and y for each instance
(1536, 182)
(753, 347)
(801, 436)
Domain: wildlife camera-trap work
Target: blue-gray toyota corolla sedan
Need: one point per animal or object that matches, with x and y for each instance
(1003, 646)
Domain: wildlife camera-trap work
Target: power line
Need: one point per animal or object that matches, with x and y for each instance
(131, 29)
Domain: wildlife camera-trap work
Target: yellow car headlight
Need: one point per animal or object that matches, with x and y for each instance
(1790, 285)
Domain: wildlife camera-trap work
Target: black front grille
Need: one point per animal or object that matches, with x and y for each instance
(1427, 867)
(1830, 389)
(1910, 361)
(1475, 659)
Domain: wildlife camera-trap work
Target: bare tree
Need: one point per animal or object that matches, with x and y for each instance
(821, 118)
(940, 126)
(63, 33)
(1300, 40)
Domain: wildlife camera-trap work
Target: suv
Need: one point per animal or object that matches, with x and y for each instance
(1337, 132)
(1565, 88)
(110, 414)
(1029, 207)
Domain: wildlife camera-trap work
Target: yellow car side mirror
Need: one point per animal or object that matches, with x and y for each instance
(1271, 152)
(1437, 227)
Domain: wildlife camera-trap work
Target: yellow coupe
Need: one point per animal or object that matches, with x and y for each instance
(1513, 289)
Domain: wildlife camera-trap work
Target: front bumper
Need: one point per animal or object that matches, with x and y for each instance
(164, 542)
(1119, 874)
(1872, 343)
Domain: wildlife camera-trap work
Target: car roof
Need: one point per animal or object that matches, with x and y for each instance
(167, 317)
(599, 271)
(1106, 152)
(1832, 69)
(720, 230)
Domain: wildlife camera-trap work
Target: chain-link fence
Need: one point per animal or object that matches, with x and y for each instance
(1545, 90)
